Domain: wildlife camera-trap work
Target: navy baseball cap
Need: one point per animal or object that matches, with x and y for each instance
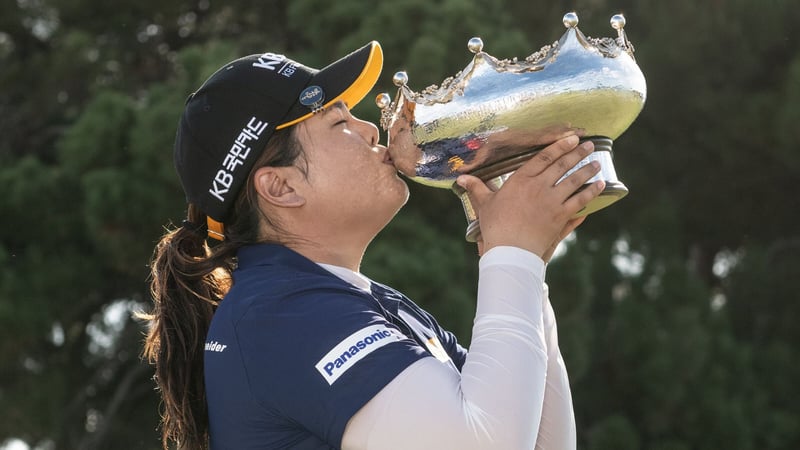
(227, 122)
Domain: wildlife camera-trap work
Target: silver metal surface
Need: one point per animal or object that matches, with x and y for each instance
(495, 114)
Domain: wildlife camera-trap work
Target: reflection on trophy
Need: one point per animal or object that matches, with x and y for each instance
(495, 114)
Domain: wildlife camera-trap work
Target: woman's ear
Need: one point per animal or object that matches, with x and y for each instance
(275, 185)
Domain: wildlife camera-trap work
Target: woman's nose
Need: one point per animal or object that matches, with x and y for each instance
(370, 131)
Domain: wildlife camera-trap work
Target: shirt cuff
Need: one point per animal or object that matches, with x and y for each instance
(514, 256)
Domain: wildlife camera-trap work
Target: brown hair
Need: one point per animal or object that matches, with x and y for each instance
(189, 279)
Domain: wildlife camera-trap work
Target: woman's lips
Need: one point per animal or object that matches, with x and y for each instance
(387, 158)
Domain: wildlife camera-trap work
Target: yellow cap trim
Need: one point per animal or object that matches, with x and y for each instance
(216, 230)
(360, 87)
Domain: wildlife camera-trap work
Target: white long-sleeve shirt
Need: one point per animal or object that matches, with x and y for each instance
(513, 391)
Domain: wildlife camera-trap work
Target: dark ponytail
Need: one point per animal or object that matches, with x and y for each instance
(189, 280)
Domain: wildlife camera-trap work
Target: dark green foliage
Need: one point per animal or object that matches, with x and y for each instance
(676, 306)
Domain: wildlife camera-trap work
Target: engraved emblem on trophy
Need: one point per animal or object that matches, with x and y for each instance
(494, 115)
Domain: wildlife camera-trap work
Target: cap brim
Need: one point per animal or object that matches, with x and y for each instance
(348, 80)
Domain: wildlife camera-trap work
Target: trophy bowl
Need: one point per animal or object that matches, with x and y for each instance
(494, 115)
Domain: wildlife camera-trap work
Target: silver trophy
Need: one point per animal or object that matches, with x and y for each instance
(495, 114)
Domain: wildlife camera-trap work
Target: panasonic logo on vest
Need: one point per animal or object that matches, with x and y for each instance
(353, 349)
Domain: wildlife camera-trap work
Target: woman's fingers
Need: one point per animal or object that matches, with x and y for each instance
(536, 203)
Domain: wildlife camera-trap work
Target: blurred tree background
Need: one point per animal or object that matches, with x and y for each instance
(677, 306)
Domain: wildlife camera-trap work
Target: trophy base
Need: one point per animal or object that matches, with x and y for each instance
(496, 175)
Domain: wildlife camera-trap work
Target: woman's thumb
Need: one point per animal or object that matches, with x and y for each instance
(476, 188)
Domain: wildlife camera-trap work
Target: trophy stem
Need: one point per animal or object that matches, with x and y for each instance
(495, 175)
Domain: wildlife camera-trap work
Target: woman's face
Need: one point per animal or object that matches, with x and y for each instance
(352, 181)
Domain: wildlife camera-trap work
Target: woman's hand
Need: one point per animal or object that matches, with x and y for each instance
(530, 210)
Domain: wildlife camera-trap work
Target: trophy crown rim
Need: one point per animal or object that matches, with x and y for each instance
(573, 40)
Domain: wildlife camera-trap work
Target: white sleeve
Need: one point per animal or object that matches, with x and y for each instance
(500, 397)
(557, 427)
